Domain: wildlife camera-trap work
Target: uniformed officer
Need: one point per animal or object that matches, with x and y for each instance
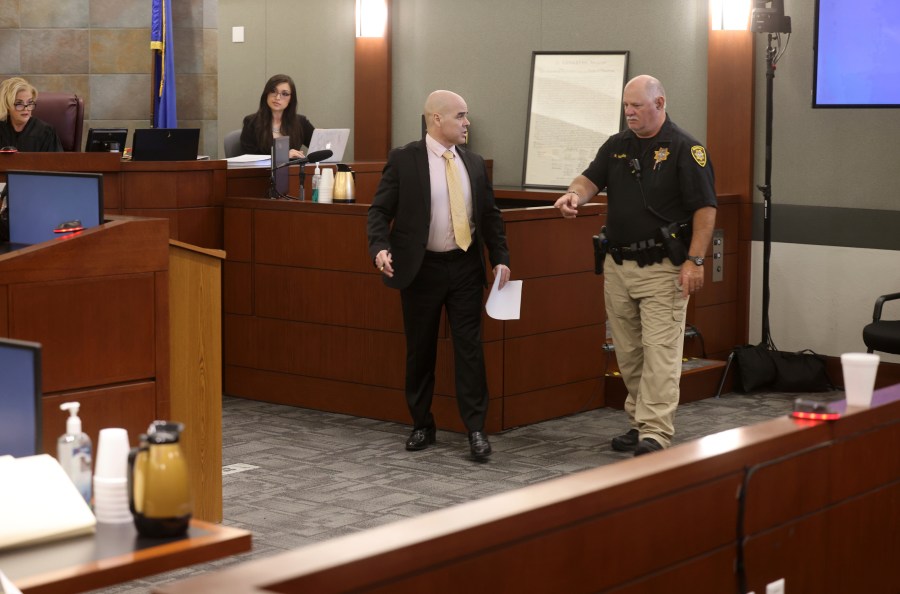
(659, 183)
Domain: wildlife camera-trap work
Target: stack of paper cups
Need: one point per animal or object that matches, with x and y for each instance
(110, 477)
(326, 186)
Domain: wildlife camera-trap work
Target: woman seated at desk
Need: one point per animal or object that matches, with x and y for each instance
(277, 116)
(19, 128)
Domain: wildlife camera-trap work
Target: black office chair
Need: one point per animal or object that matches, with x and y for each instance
(883, 335)
(232, 144)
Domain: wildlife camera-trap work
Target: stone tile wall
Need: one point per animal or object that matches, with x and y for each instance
(100, 50)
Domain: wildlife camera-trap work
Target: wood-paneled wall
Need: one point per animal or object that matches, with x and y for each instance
(308, 321)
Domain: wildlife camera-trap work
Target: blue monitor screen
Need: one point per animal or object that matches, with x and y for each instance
(856, 48)
(20, 398)
(40, 202)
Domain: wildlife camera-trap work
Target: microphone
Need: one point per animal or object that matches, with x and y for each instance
(636, 168)
(313, 157)
(316, 156)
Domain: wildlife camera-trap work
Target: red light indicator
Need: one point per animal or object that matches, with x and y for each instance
(811, 416)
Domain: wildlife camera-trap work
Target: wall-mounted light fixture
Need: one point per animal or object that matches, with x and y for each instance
(371, 18)
(729, 15)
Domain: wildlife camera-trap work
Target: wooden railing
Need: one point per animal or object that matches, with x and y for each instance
(817, 504)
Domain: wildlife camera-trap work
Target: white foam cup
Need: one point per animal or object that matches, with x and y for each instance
(112, 454)
(859, 370)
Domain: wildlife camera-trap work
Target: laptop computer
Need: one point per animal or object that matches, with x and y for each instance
(165, 144)
(332, 139)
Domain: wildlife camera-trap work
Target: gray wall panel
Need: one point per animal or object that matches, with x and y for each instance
(312, 42)
(480, 49)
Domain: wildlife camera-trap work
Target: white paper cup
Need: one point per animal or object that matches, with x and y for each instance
(113, 517)
(859, 370)
(112, 454)
(111, 500)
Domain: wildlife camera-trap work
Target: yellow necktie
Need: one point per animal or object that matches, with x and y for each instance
(457, 204)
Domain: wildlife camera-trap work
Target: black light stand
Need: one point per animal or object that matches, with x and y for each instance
(766, 189)
(768, 17)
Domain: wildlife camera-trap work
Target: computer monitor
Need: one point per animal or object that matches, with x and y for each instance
(44, 205)
(281, 149)
(20, 398)
(104, 140)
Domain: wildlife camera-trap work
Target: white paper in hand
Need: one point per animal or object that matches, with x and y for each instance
(505, 304)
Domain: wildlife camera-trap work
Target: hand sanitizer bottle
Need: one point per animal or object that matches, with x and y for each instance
(317, 176)
(73, 450)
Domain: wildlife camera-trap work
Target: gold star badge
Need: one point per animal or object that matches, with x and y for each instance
(699, 154)
(660, 155)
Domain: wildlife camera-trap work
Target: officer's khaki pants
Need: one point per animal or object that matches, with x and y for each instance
(646, 316)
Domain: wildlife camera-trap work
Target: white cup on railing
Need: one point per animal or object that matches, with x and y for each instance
(859, 370)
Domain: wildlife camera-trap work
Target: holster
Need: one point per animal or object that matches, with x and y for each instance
(676, 238)
(601, 246)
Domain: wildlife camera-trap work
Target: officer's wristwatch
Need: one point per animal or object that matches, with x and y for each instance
(697, 260)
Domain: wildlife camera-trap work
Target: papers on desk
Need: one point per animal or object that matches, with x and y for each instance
(39, 503)
(250, 161)
(505, 304)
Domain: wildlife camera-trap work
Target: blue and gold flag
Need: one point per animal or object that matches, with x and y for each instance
(164, 112)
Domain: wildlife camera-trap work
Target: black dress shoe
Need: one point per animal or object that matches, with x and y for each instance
(420, 439)
(646, 446)
(479, 444)
(626, 442)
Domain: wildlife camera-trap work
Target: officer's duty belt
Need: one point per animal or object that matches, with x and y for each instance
(644, 253)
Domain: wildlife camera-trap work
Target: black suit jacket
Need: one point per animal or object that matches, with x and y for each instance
(301, 135)
(403, 198)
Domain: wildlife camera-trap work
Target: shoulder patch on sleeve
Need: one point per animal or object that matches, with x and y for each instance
(699, 154)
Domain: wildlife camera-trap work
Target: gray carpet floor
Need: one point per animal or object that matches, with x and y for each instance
(294, 476)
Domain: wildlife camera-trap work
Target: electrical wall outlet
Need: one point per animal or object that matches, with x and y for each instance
(718, 255)
(776, 587)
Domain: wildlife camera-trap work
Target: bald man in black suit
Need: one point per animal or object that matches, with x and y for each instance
(413, 243)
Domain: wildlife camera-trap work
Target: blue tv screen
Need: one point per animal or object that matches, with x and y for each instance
(40, 202)
(20, 398)
(856, 51)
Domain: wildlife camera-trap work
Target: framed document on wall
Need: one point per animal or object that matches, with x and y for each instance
(574, 105)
